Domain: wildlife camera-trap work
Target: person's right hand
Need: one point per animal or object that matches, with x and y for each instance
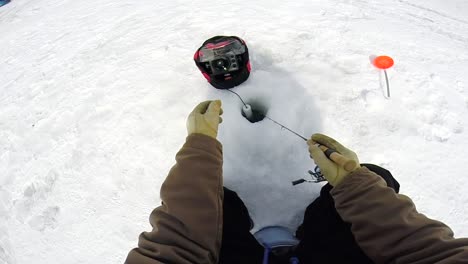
(330, 170)
(205, 119)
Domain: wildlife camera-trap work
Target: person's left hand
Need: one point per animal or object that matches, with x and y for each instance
(205, 119)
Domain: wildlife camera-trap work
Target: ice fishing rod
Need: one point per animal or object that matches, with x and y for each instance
(335, 156)
(284, 127)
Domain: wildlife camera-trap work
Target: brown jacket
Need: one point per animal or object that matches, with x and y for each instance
(187, 226)
(387, 226)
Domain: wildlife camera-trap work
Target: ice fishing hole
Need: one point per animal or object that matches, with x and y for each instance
(254, 111)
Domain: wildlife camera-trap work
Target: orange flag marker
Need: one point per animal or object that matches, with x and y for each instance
(383, 63)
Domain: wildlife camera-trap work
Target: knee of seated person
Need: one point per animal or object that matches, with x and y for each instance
(385, 174)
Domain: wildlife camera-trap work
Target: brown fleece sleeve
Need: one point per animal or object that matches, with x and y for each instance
(387, 226)
(187, 226)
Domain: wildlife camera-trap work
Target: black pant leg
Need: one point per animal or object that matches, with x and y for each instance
(238, 244)
(325, 237)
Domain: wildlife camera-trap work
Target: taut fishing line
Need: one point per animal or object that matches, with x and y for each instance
(274, 121)
(316, 173)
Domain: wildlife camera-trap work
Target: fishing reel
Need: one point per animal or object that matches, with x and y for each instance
(316, 175)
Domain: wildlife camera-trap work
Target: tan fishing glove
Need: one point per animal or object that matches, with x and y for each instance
(205, 119)
(330, 170)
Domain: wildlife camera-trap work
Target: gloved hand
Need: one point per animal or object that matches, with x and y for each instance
(330, 170)
(205, 119)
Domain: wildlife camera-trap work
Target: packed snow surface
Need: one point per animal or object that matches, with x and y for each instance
(94, 96)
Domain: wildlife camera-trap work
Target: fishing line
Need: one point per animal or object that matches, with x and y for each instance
(316, 174)
(237, 96)
(274, 121)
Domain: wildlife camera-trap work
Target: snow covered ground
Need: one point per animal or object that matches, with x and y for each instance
(94, 96)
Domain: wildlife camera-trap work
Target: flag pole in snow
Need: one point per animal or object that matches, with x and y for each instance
(383, 63)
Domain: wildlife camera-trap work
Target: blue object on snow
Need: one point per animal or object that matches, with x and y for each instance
(272, 237)
(4, 2)
(294, 260)
(275, 236)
